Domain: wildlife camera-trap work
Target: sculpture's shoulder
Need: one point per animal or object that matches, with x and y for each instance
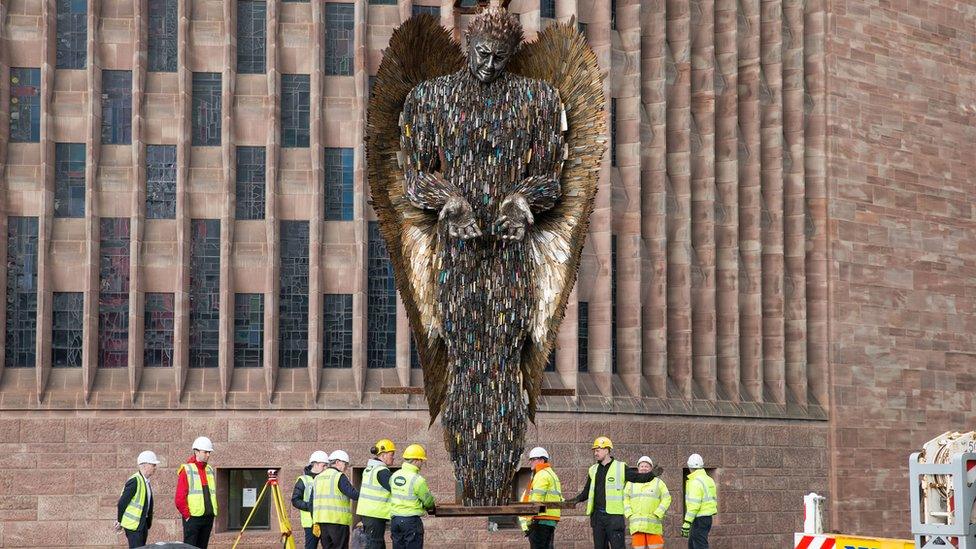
(429, 90)
(536, 91)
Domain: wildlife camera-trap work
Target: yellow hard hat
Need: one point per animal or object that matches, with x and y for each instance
(415, 451)
(384, 446)
(602, 442)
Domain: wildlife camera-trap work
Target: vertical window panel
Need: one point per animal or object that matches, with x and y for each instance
(204, 292)
(381, 303)
(414, 355)
(338, 184)
(69, 180)
(25, 105)
(583, 337)
(116, 107)
(613, 131)
(293, 303)
(337, 345)
(248, 330)
(159, 323)
(163, 31)
(250, 188)
(295, 108)
(113, 294)
(432, 10)
(547, 9)
(251, 36)
(339, 28)
(72, 34)
(160, 181)
(613, 303)
(206, 109)
(551, 363)
(66, 329)
(21, 340)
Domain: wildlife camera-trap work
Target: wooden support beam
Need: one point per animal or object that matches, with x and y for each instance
(420, 391)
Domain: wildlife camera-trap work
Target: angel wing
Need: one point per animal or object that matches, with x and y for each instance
(420, 50)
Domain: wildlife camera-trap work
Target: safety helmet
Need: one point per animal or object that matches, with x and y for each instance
(339, 455)
(602, 442)
(318, 456)
(538, 452)
(415, 451)
(647, 459)
(147, 457)
(383, 446)
(695, 461)
(203, 443)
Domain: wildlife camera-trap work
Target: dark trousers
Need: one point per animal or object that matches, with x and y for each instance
(408, 532)
(196, 531)
(698, 539)
(137, 538)
(375, 530)
(311, 542)
(608, 531)
(334, 536)
(541, 536)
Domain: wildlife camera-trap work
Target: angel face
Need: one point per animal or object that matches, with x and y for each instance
(487, 58)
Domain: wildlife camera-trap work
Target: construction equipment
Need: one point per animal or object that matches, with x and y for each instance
(284, 525)
(942, 492)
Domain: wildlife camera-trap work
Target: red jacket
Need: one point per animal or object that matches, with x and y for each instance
(183, 486)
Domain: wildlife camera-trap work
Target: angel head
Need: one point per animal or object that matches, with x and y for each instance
(494, 37)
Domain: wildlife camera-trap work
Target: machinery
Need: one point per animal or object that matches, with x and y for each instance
(941, 479)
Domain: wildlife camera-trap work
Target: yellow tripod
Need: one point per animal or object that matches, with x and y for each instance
(287, 541)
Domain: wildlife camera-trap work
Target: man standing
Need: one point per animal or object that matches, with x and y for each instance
(543, 487)
(604, 495)
(332, 496)
(196, 494)
(301, 496)
(701, 504)
(135, 507)
(374, 496)
(645, 504)
(409, 500)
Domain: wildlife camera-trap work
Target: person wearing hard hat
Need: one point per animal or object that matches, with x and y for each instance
(701, 504)
(604, 495)
(645, 504)
(332, 496)
(196, 494)
(135, 507)
(374, 494)
(410, 498)
(301, 496)
(543, 487)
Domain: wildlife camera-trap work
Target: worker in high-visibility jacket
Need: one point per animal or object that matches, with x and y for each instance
(374, 494)
(135, 507)
(645, 504)
(332, 496)
(196, 494)
(701, 504)
(544, 487)
(604, 495)
(410, 499)
(301, 496)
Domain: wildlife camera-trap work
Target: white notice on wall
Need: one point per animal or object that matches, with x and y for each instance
(250, 497)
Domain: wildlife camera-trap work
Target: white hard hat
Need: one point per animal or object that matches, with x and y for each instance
(147, 457)
(318, 456)
(695, 461)
(645, 459)
(538, 452)
(339, 455)
(203, 443)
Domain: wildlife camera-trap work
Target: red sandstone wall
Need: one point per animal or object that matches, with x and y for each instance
(902, 173)
(60, 477)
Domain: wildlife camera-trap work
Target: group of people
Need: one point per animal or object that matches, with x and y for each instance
(616, 496)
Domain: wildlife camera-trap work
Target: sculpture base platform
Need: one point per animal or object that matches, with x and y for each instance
(399, 390)
(516, 509)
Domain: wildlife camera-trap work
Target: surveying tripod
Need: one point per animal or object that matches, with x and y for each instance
(284, 525)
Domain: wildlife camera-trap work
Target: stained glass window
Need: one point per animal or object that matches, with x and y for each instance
(433, 10)
(338, 184)
(204, 292)
(339, 28)
(21, 340)
(66, 329)
(69, 180)
(337, 346)
(206, 108)
(295, 105)
(381, 303)
(248, 330)
(116, 107)
(25, 105)
(583, 337)
(163, 29)
(159, 322)
(250, 183)
(251, 36)
(293, 305)
(551, 363)
(613, 303)
(547, 9)
(160, 181)
(113, 294)
(72, 34)
(383, 2)
(613, 131)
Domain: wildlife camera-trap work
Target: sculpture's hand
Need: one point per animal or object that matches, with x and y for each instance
(460, 218)
(514, 216)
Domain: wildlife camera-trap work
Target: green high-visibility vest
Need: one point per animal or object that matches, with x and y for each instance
(374, 500)
(614, 488)
(329, 504)
(194, 499)
(307, 481)
(409, 495)
(133, 511)
(645, 504)
(701, 499)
